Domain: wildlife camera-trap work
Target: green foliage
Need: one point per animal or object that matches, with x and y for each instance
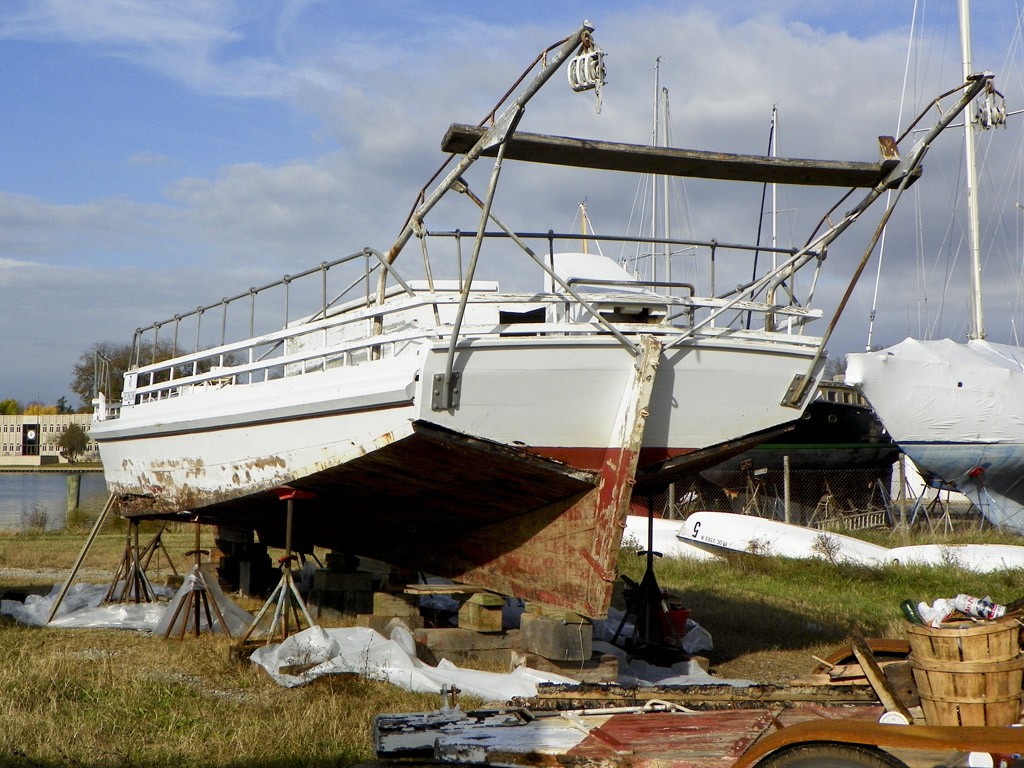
(73, 442)
(101, 367)
(10, 407)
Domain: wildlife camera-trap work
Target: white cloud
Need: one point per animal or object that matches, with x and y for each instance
(384, 101)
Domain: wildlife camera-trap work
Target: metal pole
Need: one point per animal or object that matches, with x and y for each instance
(785, 488)
(974, 238)
(903, 490)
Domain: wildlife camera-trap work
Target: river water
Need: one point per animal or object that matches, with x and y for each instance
(26, 496)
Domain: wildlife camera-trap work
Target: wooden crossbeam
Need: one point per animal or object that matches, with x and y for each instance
(669, 161)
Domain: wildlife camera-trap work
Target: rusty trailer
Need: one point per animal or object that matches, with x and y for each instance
(664, 735)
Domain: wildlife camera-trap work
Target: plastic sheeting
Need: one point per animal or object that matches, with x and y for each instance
(81, 609)
(363, 651)
(945, 391)
(958, 411)
(180, 618)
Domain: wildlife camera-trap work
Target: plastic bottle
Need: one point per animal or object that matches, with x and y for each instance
(981, 607)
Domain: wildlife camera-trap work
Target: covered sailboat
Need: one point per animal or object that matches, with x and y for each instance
(448, 426)
(957, 409)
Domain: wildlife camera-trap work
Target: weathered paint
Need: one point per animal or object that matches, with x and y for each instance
(660, 739)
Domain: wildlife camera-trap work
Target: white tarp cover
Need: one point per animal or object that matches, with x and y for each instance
(81, 609)
(363, 651)
(958, 411)
(944, 391)
(179, 618)
(355, 650)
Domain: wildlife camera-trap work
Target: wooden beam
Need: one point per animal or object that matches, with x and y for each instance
(669, 161)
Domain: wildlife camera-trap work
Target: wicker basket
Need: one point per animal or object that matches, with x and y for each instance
(968, 673)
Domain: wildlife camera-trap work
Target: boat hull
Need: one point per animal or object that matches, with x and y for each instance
(957, 410)
(490, 485)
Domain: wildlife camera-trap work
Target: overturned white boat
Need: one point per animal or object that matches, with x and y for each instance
(494, 438)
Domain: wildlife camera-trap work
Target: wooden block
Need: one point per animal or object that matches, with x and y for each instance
(901, 678)
(383, 624)
(335, 581)
(388, 604)
(487, 600)
(555, 639)
(599, 668)
(475, 615)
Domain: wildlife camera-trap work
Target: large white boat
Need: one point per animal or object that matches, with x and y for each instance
(439, 423)
(957, 409)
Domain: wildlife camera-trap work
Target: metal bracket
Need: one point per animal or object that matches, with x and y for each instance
(445, 393)
(796, 393)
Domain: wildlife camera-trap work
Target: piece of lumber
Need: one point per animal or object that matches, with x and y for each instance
(671, 161)
(879, 682)
(704, 697)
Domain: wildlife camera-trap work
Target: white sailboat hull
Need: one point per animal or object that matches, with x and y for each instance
(557, 399)
(958, 411)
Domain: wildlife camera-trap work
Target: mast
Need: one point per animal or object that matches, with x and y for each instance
(655, 141)
(974, 238)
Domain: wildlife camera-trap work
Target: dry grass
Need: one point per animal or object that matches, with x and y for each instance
(106, 698)
(114, 698)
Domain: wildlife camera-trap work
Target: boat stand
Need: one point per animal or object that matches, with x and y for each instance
(654, 636)
(197, 601)
(130, 583)
(285, 598)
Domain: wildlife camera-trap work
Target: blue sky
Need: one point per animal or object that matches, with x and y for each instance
(158, 155)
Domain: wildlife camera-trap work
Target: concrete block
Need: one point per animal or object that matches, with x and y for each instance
(557, 639)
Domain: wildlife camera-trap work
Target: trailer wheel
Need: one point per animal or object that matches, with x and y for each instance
(828, 755)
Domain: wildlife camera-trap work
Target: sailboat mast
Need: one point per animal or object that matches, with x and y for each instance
(655, 138)
(974, 238)
(665, 202)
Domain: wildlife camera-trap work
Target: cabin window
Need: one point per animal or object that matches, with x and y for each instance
(511, 318)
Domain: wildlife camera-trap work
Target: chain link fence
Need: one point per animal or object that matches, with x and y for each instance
(849, 499)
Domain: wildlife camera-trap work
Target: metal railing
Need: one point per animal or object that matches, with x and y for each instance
(344, 311)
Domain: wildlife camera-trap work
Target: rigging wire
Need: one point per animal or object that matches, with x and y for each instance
(888, 195)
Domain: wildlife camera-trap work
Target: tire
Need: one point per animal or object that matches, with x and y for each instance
(828, 755)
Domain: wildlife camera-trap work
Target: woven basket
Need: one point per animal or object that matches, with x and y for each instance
(968, 673)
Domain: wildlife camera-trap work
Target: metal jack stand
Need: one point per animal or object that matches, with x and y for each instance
(197, 601)
(285, 596)
(654, 636)
(132, 571)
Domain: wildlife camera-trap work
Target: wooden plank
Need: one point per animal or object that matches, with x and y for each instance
(879, 682)
(670, 161)
(696, 696)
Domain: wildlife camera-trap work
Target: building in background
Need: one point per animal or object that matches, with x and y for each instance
(33, 440)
